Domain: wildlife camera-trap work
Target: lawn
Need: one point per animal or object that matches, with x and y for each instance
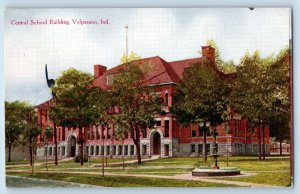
(272, 171)
(117, 181)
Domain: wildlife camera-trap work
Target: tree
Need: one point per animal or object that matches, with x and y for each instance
(48, 133)
(279, 128)
(31, 131)
(224, 66)
(201, 97)
(78, 105)
(279, 77)
(126, 59)
(138, 103)
(14, 123)
(121, 128)
(259, 91)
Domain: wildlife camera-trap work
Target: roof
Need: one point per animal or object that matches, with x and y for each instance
(162, 72)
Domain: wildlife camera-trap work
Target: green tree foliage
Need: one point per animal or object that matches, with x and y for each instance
(138, 103)
(15, 123)
(78, 104)
(224, 66)
(31, 131)
(126, 59)
(48, 133)
(260, 90)
(280, 117)
(21, 125)
(201, 97)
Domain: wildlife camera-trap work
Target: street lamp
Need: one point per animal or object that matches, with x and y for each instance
(204, 126)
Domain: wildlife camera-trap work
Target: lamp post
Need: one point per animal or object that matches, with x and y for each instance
(215, 149)
(204, 126)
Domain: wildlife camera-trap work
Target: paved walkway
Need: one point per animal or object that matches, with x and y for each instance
(187, 176)
(128, 161)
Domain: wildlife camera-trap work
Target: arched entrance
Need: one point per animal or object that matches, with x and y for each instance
(73, 146)
(156, 143)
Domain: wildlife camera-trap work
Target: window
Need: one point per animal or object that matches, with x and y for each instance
(131, 149)
(92, 150)
(93, 133)
(45, 151)
(167, 98)
(102, 150)
(207, 148)
(120, 150)
(88, 133)
(109, 131)
(200, 149)
(194, 127)
(63, 134)
(193, 148)
(109, 78)
(167, 149)
(158, 123)
(126, 150)
(144, 149)
(87, 150)
(167, 128)
(194, 133)
(103, 132)
(63, 150)
(97, 132)
(107, 150)
(50, 151)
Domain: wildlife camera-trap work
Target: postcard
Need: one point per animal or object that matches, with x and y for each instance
(148, 97)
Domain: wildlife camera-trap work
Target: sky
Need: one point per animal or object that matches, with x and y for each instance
(173, 34)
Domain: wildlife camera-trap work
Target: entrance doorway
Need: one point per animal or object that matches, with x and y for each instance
(73, 146)
(156, 144)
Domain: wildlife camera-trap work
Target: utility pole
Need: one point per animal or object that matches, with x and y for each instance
(126, 52)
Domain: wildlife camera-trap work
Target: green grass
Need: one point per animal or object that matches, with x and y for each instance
(114, 181)
(24, 162)
(273, 171)
(270, 178)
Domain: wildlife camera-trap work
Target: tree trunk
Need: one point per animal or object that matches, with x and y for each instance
(123, 154)
(55, 143)
(103, 156)
(32, 167)
(136, 141)
(30, 152)
(204, 141)
(259, 141)
(81, 147)
(263, 142)
(9, 153)
(138, 152)
(280, 147)
(47, 159)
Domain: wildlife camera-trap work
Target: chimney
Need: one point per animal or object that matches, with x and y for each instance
(208, 53)
(99, 70)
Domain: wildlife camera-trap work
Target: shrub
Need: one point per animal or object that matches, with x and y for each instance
(85, 158)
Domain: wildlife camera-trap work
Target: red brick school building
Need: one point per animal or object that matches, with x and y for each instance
(168, 138)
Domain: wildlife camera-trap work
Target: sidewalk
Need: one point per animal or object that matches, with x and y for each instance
(128, 161)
